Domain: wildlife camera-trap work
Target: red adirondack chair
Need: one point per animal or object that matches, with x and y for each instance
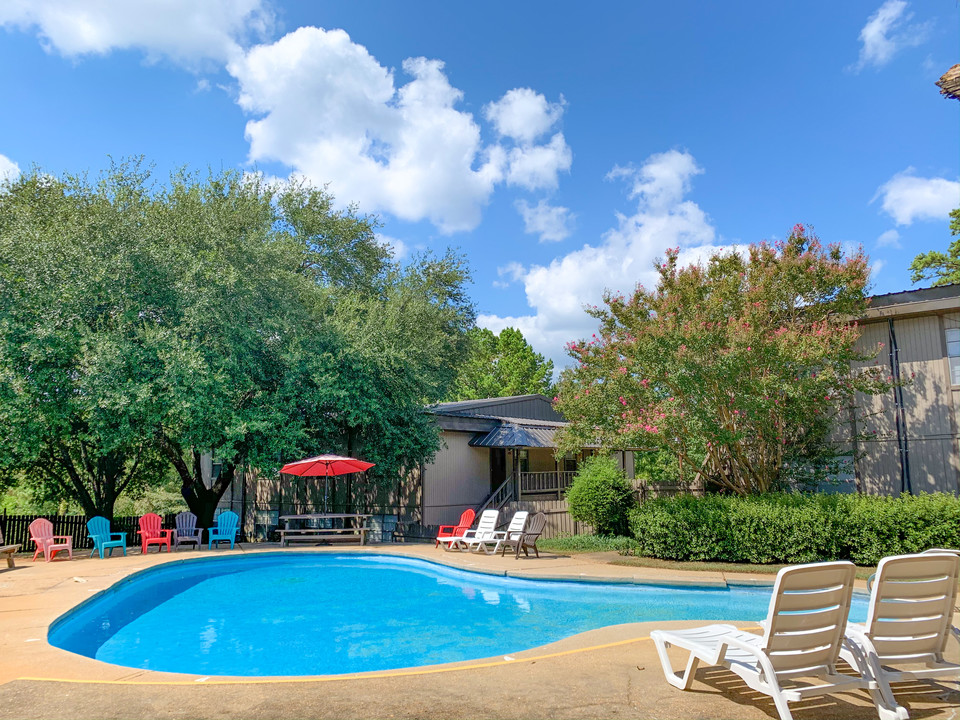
(152, 534)
(41, 532)
(448, 531)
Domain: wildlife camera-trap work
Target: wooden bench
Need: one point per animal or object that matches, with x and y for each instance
(352, 526)
(317, 535)
(8, 551)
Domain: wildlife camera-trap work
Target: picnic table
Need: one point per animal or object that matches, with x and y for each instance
(324, 527)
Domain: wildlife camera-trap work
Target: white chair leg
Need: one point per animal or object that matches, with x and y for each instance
(683, 682)
(880, 691)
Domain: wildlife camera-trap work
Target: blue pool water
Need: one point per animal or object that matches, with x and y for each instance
(319, 614)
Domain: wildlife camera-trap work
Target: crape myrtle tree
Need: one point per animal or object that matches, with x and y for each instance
(737, 367)
(143, 324)
(500, 366)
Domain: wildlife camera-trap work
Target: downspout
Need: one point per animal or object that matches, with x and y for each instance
(855, 445)
(906, 486)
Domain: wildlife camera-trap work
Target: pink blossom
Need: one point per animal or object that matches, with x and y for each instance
(622, 401)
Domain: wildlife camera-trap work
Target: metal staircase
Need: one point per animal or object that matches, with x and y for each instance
(499, 497)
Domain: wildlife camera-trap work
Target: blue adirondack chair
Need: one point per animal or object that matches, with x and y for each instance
(224, 530)
(98, 528)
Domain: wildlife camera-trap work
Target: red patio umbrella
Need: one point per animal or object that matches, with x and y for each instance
(326, 466)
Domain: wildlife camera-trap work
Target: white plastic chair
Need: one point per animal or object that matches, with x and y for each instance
(909, 621)
(802, 636)
(514, 530)
(486, 527)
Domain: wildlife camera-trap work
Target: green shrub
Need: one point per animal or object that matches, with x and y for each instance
(794, 527)
(601, 496)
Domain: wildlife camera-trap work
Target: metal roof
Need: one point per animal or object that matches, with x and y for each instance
(529, 407)
(509, 435)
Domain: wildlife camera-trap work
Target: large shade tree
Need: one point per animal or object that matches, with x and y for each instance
(500, 366)
(142, 324)
(80, 292)
(737, 366)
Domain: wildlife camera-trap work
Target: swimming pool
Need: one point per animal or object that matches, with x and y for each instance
(320, 614)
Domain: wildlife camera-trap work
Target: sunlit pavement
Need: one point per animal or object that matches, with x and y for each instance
(607, 673)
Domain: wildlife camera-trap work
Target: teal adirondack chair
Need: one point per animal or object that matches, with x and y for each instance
(98, 528)
(225, 530)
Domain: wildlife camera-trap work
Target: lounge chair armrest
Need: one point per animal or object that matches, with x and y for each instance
(61, 537)
(446, 527)
(118, 535)
(735, 642)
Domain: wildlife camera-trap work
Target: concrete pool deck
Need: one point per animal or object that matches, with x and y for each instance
(607, 673)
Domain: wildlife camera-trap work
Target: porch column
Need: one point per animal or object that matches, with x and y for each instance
(518, 486)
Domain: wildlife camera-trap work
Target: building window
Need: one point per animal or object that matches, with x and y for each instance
(570, 462)
(953, 354)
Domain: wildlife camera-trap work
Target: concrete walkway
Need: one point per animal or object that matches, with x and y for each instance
(608, 673)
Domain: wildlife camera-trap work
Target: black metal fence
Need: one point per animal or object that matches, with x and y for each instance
(16, 528)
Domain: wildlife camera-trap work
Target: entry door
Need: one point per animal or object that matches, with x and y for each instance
(498, 467)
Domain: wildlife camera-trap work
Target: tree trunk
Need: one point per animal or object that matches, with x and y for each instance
(201, 500)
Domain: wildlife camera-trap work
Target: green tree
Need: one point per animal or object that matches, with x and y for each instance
(78, 293)
(737, 367)
(399, 353)
(144, 325)
(943, 267)
(500, 366)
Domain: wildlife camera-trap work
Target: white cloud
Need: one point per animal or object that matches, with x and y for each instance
(551, 223)
(513, 270)
(875, 267)
(891, 238)
(523, 114)
(536, 167)
(9, 170)
(186, 31)
(557, 292)
(886, 33)
(398, 247)
(325, 107)
(329, 110)
(907, 197)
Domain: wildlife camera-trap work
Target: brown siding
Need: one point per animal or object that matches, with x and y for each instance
(458, 478)
(930, 427)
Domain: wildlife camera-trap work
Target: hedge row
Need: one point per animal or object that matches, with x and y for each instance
(795, 528)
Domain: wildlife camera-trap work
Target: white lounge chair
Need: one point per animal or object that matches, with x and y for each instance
(909, 622)
(514, 530)
(802, 636)
(486, 527)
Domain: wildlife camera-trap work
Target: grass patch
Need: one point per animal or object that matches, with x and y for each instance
(862, 572)
(588, 543)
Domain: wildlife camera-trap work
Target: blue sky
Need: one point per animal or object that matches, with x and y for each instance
(560, 146)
